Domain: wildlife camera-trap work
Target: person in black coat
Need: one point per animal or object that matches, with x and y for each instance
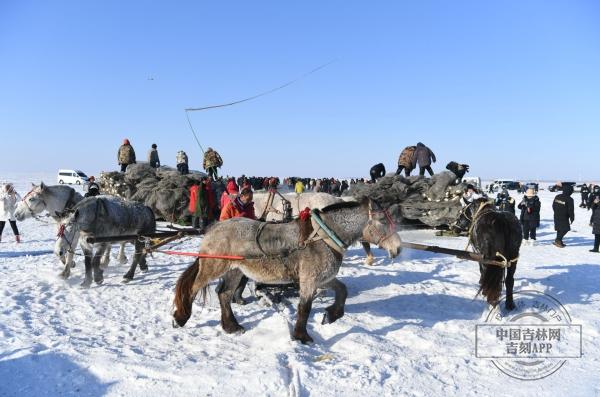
(93, 189)
(377, 171)
(504, 202)
(564, 214)
(592, 197)
(585, 192)
(595, 223)
(530, 214)
(423, 156)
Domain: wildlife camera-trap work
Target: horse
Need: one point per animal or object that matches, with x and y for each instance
(307, 251)
(105, 216)
(496, 235)
(276, 209)
(56, 200)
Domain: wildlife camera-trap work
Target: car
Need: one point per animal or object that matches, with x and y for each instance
(500, 184)
(558, 186)
(71, 177)
(530, 185)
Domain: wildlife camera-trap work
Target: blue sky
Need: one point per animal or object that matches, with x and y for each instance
(511, 87)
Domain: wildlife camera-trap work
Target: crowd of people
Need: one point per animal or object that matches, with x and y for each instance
(236, 200)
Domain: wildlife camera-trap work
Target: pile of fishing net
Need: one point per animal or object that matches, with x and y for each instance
(164, 190)
(433, 201)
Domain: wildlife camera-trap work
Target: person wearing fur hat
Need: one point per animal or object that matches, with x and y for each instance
(8, 203)
(564, 214)
(126, 155)
(153, 157)
(530, 215)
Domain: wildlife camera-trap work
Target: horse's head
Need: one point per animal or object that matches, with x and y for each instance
(381, 230)
(465, 218)
(32, 203)
(67, 236)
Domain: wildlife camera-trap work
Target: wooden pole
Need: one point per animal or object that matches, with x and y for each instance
(467, 255)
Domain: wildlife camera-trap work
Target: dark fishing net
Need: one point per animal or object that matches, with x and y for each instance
(433, 201)
(164, 190)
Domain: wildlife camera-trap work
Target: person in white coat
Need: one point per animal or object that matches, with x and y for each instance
(8, 203)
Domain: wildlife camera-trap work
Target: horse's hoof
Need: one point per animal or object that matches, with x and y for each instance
(304, 338)
(174, 324)
(63, 275)
(73, 264)
(144, 269)
(99, 281)
(369, 261)
(238, 300)
(330, 317)
(509, 305)
(86, 284)
(126, 280)
(234, 329)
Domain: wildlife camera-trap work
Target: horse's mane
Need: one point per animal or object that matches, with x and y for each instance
(341, 205)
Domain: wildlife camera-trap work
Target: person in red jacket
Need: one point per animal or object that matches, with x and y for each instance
(241, 207)
(231, 190)
(202, 203)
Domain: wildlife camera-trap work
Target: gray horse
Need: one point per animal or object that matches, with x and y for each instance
(105, 216)
(312, 200)
(56, 200)
(307, 251)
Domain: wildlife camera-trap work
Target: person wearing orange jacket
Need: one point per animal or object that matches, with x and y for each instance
(241, 207)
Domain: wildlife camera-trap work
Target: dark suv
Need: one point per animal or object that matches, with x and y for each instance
(558, 188)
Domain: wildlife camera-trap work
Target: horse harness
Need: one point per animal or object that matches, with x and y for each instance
(322, 232)
(287, 206)
(484, 208)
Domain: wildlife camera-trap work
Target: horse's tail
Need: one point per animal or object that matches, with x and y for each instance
(492, 240)
(184, 296)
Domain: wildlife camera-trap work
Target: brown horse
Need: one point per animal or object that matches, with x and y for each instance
(307, 251)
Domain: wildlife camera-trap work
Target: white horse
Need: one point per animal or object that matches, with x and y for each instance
(56, 200)
(298, 202)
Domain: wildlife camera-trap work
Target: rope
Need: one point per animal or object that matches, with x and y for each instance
(250, 98)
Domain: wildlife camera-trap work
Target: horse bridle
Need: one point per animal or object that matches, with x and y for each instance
(391, 223)
(31, 212)
(61, 234)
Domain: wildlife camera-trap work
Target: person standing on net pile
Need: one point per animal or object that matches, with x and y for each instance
(564, 214)
(530, 215)
(212, 161)
(182, 163)
(423, 156)
(8, 203)
(126, 155)
(595, 223)
(377, 171)
(153, 157)
(405, 160)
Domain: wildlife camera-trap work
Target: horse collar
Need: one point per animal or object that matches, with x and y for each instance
(340, 246)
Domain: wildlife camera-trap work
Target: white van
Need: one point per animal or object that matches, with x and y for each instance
(71, 177)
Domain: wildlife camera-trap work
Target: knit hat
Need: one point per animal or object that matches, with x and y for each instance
(125, 141)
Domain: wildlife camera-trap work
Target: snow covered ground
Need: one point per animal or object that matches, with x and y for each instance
(409, 327)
